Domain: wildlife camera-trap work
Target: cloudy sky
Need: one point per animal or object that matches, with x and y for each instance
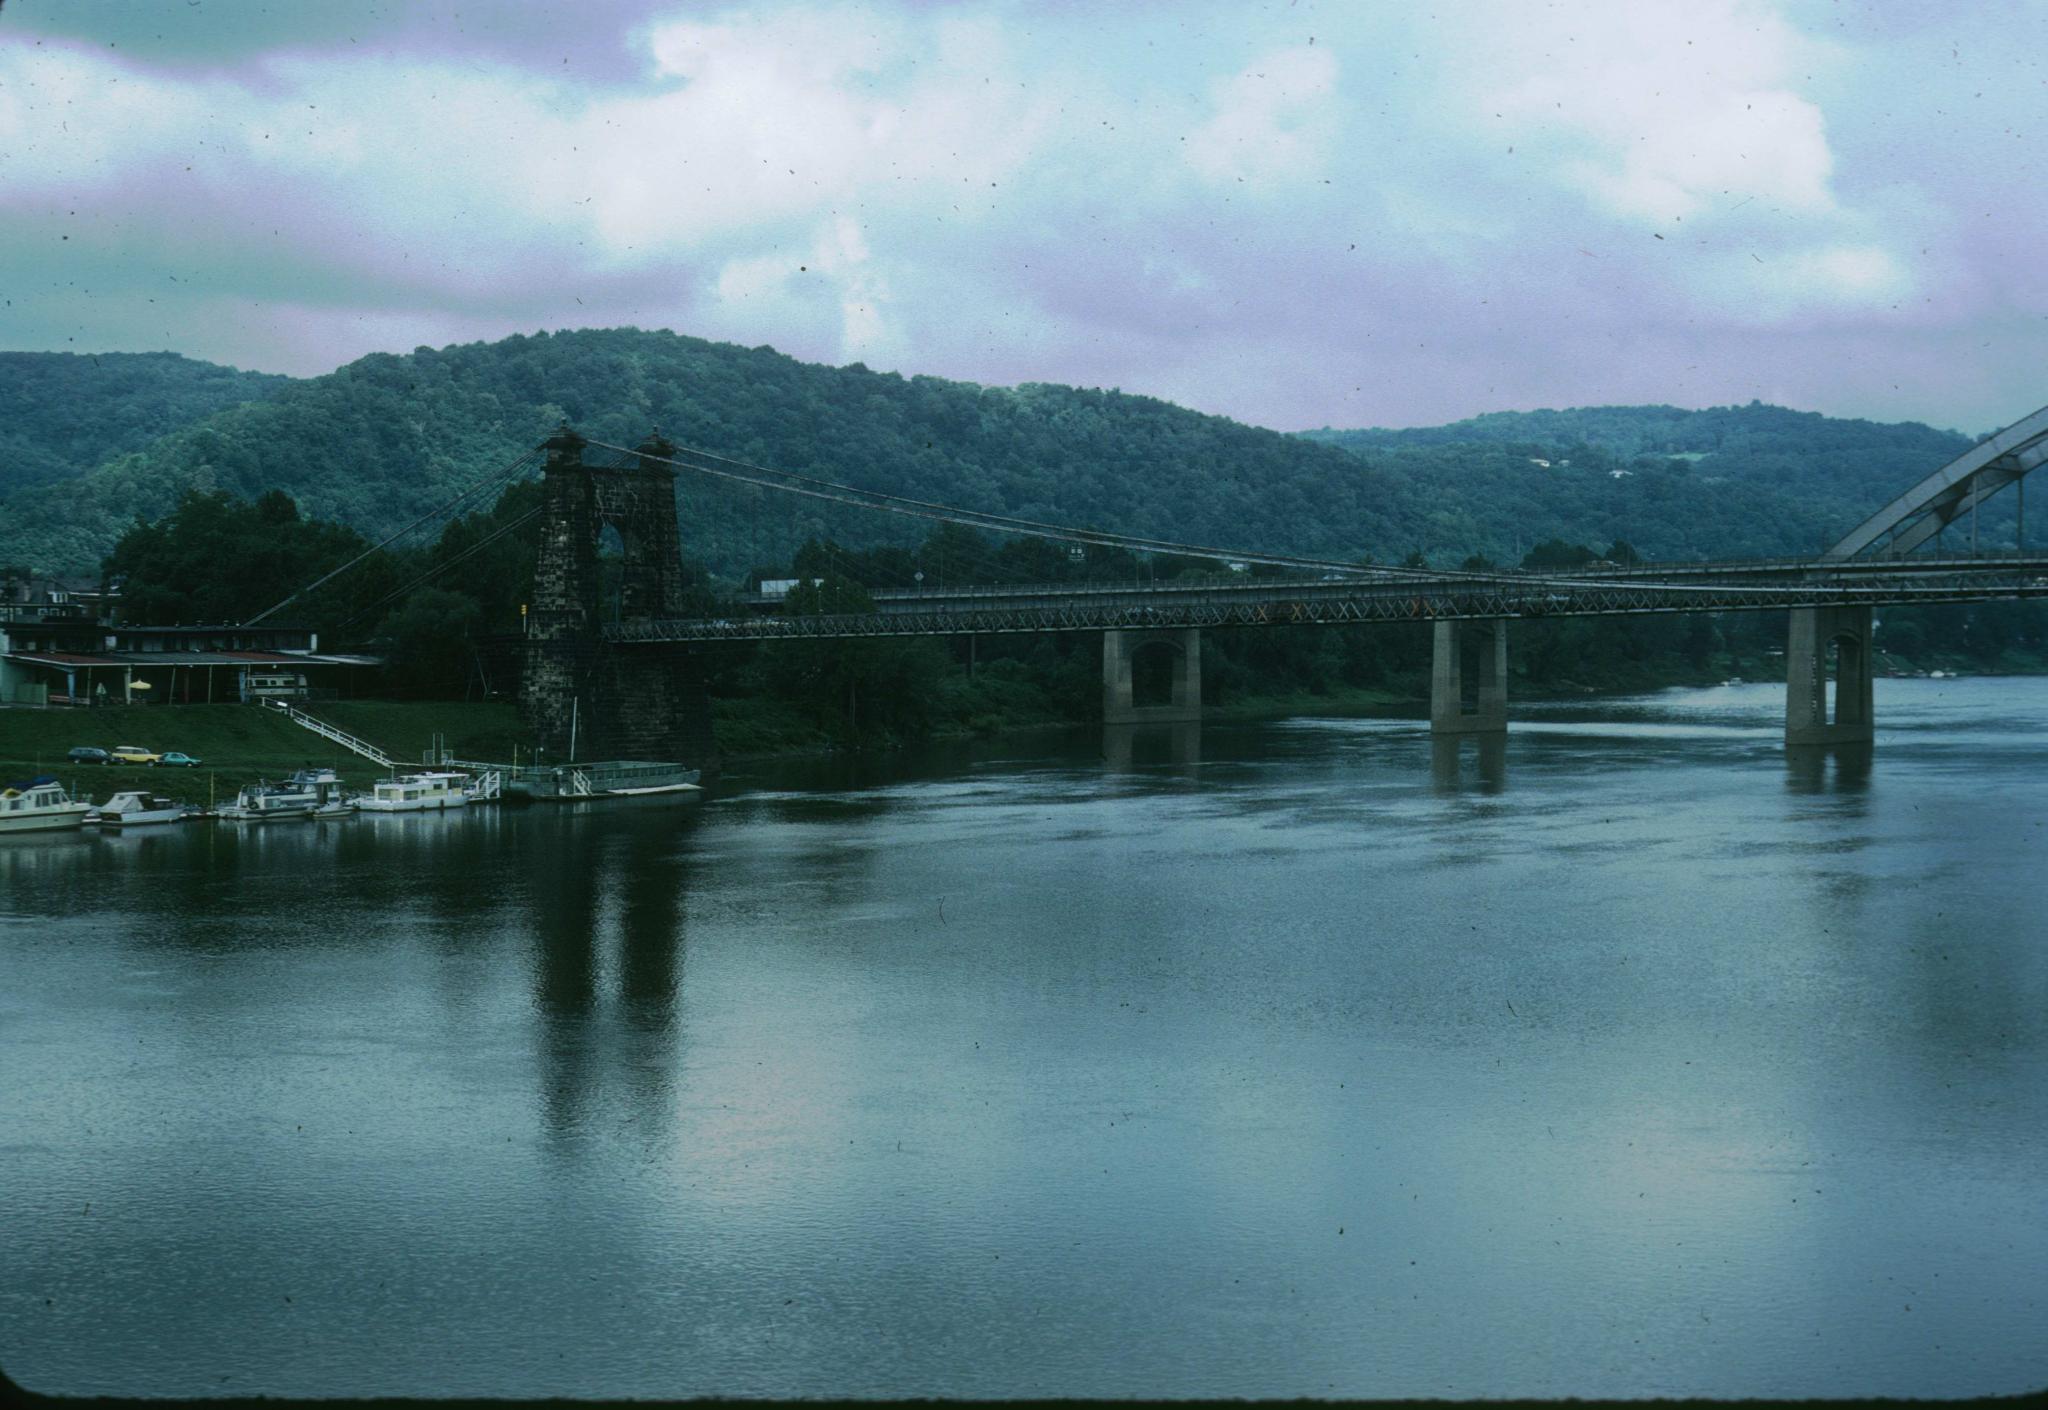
(1297, 213)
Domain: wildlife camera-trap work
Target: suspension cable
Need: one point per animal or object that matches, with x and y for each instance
(440, 568)
(524, 460)
(833, 492)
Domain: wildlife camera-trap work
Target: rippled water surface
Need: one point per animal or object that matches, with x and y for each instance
(1630, 1058)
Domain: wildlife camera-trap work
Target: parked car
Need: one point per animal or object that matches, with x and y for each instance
(176, 760)
(135, 754)
(87, 754)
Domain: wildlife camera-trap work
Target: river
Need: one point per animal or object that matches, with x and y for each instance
(1629, 1058)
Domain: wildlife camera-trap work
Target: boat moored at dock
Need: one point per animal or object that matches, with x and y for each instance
(40, 805)
(269, 802)
(330, 800)
(600, 779)
(417, 793)
(138, 809)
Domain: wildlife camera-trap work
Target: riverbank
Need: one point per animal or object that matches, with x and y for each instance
(238, 744)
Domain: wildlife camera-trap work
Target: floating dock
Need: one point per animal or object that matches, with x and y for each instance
(599, 778)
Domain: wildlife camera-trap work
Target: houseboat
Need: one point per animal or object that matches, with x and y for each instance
(137, 809)
(39, 805)
(416, 793)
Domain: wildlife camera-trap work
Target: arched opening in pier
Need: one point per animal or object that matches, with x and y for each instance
(1154, 666)
(1475, 665)
(1841, 661)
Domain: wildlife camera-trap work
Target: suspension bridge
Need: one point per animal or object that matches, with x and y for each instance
(616, 655)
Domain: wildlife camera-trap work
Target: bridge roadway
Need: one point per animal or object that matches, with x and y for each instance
(1831, 652)
(1383, 597)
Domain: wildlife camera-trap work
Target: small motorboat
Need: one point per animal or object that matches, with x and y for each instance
(325, 786)
(135, 809)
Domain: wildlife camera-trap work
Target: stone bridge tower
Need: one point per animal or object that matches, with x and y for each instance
(619, 701)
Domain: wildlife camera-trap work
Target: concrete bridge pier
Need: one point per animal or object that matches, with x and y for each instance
(1120, 648)
(1468, 679)
(1815, 633)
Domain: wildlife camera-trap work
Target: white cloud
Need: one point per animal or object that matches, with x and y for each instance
(1273, 122)
(1660, 114)
(836, 279)
(1295, 217)
(1820, 284)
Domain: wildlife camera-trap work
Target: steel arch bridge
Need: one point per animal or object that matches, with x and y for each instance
(1923, 511)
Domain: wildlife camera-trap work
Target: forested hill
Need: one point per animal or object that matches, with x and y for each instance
(1655, 430)
(385, 438)
(61, 414)
(1726, 481)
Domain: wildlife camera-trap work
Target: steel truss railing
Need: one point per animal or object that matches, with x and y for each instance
(1311, 604)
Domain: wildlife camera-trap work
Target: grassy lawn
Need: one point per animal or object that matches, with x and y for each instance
(240, 743)
(405, 729)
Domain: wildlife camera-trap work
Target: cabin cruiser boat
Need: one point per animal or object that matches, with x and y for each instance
(325, 786)
(39, 805)
(414, 793)
(267, 802)
(134, 809)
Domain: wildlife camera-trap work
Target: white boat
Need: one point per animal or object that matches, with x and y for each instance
(325, 786)
(416, 793)
(39, 805)
(268, 802)
(135, 809)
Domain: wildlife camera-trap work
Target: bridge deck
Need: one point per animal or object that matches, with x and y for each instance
(1260, 602)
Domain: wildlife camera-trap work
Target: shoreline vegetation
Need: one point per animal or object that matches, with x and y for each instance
(459, 640)
(240, 743)
(245, 507)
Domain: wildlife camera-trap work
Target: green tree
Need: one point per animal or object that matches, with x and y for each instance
(1556, 553)
(430, 643)
(218, 559)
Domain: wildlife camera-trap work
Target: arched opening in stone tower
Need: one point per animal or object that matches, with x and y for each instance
(611, 572)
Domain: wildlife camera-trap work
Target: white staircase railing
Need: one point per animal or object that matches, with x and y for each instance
(326, 731)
